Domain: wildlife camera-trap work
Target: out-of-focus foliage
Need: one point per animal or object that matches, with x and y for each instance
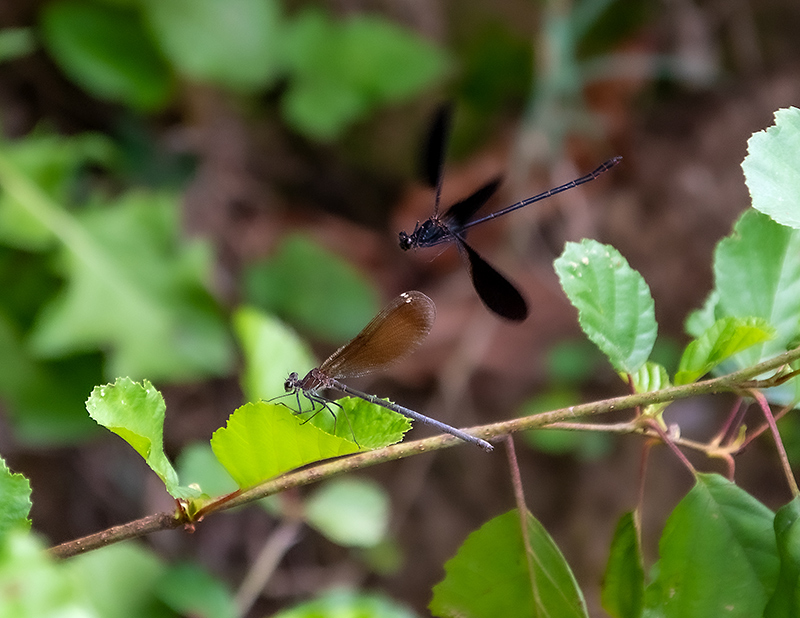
(337, 71)
(93, 284)
(15, 42)
(107, 50)
(312, 288)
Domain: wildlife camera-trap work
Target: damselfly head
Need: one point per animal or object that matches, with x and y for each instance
(291, 382)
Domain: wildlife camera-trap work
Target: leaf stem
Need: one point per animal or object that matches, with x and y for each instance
(787, 468)
(669, 441)
(522, 510)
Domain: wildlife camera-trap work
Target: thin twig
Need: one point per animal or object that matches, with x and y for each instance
(133, 529)
(165, 521)
(636, 427)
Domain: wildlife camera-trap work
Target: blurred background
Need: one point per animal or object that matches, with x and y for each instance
(165, 164)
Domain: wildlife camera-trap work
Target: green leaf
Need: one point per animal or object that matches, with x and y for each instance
(785, 601)
(727, 337)
(33, 585)
(614, 305)
(15, 501)
(352, 512)
(623, 583)
(262, 440)
(489, 575)
(314, 289)
(347, 604)
(757, 274)
(718, 554)
(650, 377)
(191, 591)
(235, 44)
(340, 71)
(373, 426)
(271, 352)
(120, 581)
(108, 51)
(135, 288)
(770, 168)
(135, 412)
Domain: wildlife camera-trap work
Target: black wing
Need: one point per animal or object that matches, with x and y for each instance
(436, 146)
(461, 212)
(496, 292)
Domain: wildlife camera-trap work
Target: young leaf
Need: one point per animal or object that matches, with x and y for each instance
(727, 337)
(107, 50)
(374, 426)
(15, 501)
(271, 351)
(370, 425)
(135, 412)
(623, 584)
(352, 512)
(262, 440)
(770, 168)
(718, 555)
(757, 274)
(651, 377)
(614, 305)
(785, 601)
(489, 575)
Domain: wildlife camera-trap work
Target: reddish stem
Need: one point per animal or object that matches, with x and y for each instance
(787, 468)
(668, 441)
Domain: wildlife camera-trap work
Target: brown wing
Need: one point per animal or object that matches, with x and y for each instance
(393, 334)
